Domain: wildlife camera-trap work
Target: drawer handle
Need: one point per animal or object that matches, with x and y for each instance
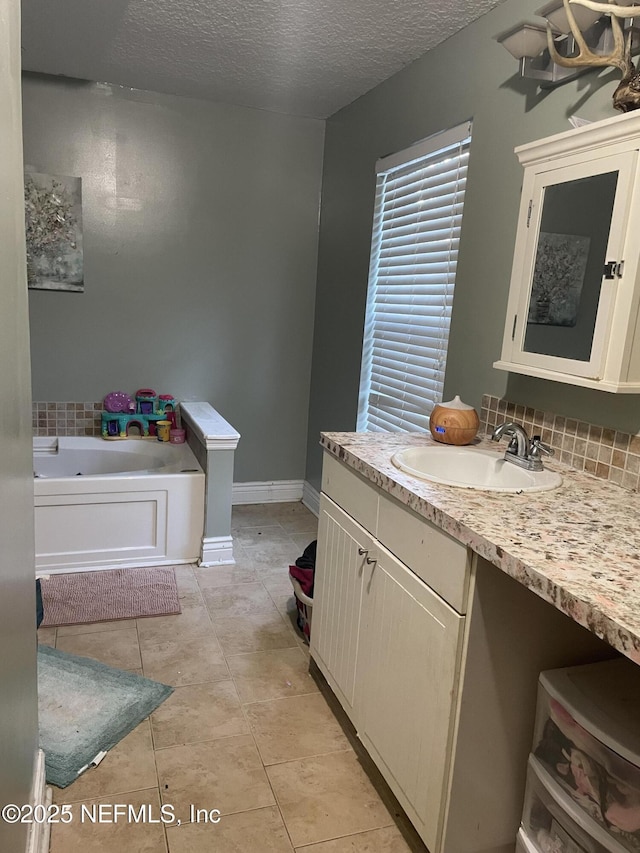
(364, 552)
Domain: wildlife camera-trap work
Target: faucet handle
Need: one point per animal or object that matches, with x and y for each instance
(537, 447)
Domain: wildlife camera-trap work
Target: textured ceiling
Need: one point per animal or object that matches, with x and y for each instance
(302, 57)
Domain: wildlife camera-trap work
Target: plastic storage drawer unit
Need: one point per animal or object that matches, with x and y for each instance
(587, 737)
(523, 844)
(554, 822)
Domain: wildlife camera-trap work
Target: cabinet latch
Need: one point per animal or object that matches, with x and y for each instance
(529, 211)
(613, 269)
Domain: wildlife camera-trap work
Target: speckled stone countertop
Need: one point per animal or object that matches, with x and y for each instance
(577, 546)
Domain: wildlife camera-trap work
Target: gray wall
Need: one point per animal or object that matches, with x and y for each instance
(200, 248)
(18, 697)
(469, 76)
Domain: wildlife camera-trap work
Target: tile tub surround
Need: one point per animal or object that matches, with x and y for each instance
(577, 547)
(606, 453)
(67, 418)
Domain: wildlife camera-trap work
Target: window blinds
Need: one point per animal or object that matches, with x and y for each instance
(414, 250)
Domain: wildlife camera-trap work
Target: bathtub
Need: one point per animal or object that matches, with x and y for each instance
(108, 504)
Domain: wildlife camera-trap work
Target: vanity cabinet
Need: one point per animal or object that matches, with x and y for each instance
(407, 678)
(388, 644)
(573, 308)
(434, 655)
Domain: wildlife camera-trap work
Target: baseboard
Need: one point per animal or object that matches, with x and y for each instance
(216, 551)
(274, 491)
(44, 571)
(41, 795)
(311, 498)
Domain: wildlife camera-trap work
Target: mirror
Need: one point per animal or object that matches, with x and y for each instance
(569, 266)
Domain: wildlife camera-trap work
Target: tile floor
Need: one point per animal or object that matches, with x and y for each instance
(246, 731)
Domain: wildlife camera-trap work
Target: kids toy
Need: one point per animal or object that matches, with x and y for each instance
(125, 418)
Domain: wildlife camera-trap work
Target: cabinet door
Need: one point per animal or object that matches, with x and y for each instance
(343, 548)
(408, 672)
(563, 295)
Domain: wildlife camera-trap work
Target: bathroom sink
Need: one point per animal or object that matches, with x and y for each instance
(472, 468)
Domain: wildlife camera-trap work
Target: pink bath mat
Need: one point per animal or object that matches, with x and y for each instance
(104, 596)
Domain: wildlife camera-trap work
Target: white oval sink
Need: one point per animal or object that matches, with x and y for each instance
(472, 468)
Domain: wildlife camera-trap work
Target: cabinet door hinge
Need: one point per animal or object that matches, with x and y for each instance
(613, 269)
(529, 211)
(513, 331)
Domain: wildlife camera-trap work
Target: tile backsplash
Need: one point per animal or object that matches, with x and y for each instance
(67, 418)
(605, 453)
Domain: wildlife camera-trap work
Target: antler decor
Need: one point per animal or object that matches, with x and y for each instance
(627, 96)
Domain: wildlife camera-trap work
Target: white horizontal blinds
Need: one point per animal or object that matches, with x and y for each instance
(414, 250)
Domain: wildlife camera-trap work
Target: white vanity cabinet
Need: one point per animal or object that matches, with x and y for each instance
(434, 654)
(408, 676)
(573, 309)
(387, 643)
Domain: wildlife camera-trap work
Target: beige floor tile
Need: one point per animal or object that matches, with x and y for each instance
(276, 581)
(254, 632)
(224, 774)
(123, 836)
(273, 554)
(186, 579)
(271, 674)
(213, 577)
(292, 509)
(303, 645)
(129, 766)
(256, 831)
(277, 572)
(326, 797)
(303, 539)
(115, 648)
(190, 598)
(96, 627)
(297, 523)
(238, 600)
(198, 712)
(385, 840)
(47, 636)
(269, 535)
(194, 621)
(295, 727)
(252, 515)
(284, 600)
(187, 660)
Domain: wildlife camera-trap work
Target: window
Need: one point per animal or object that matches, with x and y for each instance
(414, 251)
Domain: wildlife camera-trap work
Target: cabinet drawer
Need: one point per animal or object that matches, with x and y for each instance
(439, 560)
(351, 492)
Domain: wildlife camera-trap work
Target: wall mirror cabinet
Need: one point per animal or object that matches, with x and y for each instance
(573, 309)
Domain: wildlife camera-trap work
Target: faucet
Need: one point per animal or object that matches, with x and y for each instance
(521, 451)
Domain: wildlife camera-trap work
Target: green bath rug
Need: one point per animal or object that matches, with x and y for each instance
(86, 708)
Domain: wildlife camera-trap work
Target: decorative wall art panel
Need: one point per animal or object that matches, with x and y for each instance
(53, 218)
(558, 277)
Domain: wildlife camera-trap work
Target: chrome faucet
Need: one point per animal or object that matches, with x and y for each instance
(521, 451)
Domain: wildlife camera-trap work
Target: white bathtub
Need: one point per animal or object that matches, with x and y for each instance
(108, 504)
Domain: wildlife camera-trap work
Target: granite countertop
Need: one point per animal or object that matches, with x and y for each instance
(577, 546)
